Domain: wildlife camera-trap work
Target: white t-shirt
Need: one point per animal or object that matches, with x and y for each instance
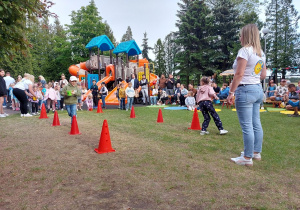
(23, 84)
(8, 81)
(254, 65)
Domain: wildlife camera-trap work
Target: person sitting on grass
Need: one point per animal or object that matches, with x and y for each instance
(224, 92)
(204, 99)
(190, 101)
(130, 93)
(122, 96)
(184, 94)
(280, 91)
(89, 102)
(292, 100)
(163, 97)
(71, 93)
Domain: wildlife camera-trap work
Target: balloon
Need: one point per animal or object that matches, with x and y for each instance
(44, 90)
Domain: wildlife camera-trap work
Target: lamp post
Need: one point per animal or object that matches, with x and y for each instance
(265, 32)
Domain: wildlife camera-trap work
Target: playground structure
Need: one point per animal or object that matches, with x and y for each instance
(111, 69)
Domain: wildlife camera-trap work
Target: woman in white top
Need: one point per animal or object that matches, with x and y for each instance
(21, 92)
(250, 68)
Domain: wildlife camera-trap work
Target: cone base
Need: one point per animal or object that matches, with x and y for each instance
(74, 134)
(197, 129)
(99, 152)
(56, 125)
(43, 117)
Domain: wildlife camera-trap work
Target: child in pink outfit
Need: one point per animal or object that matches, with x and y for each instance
(51, 97)
(89, 102)
(204, 97)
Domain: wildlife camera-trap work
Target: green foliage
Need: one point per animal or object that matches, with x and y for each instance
(13, 19)
(171, 49)
(283, 39)
(146, 48)
(128, 35)
(160, 66)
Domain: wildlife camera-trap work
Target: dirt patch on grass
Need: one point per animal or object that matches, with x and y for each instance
(45, 168)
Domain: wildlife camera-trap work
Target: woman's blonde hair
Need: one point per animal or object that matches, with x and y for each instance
(250, 37)
(30, 77)
(41, 77)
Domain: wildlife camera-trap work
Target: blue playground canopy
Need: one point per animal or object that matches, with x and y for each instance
(101, 42)
(129, 47)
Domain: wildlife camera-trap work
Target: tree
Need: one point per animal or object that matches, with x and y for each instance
(146, 48)
(128, 35)
(86, 24)
(171, 49)
(14, 16)
(108, 32)
(160, 66)
(282, 20)
(226, 28)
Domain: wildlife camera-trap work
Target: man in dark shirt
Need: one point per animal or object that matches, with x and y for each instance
(215, 87)
(94, 89)
(170, 86)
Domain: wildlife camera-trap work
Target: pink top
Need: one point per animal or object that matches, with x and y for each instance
(89, 102)
(205, 93)
(51, 94)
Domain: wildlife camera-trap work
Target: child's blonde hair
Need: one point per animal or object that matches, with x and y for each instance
(90, 96)
(205, 80)
(250, 37)
(190, 93)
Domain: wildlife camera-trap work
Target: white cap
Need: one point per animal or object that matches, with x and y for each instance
(73, 78)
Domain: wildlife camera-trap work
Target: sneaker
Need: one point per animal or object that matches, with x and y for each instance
(202, 133)
(222, 132)
(2, 115)
(174, 103)
(126, 109)
(62, 109)
(37, 113)
(164, 104)
(4, 106)
(262, 108)
(33, 114)
(22, 115)
(242, 161)
(6, 114)
(255, 156)
(293, 115)
(27, 115)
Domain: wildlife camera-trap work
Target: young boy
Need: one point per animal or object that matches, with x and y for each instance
(293, 100)
(94, 89)
(122, 96)
(70, 93)
(130, 96)
(103, 92)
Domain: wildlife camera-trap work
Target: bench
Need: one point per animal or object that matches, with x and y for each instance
(274, 103)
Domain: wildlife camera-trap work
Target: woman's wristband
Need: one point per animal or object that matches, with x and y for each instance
(231, 92)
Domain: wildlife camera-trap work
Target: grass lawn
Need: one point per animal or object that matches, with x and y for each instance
(155, 166)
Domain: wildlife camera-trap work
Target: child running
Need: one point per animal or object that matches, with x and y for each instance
(204, 95)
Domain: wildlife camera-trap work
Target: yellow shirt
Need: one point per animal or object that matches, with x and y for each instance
(122, 93)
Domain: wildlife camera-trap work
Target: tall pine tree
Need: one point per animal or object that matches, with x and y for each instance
(128, 35)
(146, 47)
(160, 66)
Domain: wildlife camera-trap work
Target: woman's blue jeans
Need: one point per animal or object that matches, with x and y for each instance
(247, 101)
(72, 110)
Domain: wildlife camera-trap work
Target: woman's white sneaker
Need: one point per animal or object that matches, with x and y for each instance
(27, 115)
(255, 156)
(2, 115)
(222, 132)
(242, 161)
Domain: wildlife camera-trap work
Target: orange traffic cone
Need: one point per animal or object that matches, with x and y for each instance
(74, 127)
(132, 114)
(99, 109)
(160, 117)
(104, 142)
(195, 122)
(43, 114)
(55, 119)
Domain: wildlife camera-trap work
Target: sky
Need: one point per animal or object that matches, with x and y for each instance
(156, 17)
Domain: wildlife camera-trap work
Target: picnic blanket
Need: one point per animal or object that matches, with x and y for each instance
(261, 110)
(176, 108)
(271, 109)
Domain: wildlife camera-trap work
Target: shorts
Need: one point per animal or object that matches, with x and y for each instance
(79, 100)
(278, 98)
